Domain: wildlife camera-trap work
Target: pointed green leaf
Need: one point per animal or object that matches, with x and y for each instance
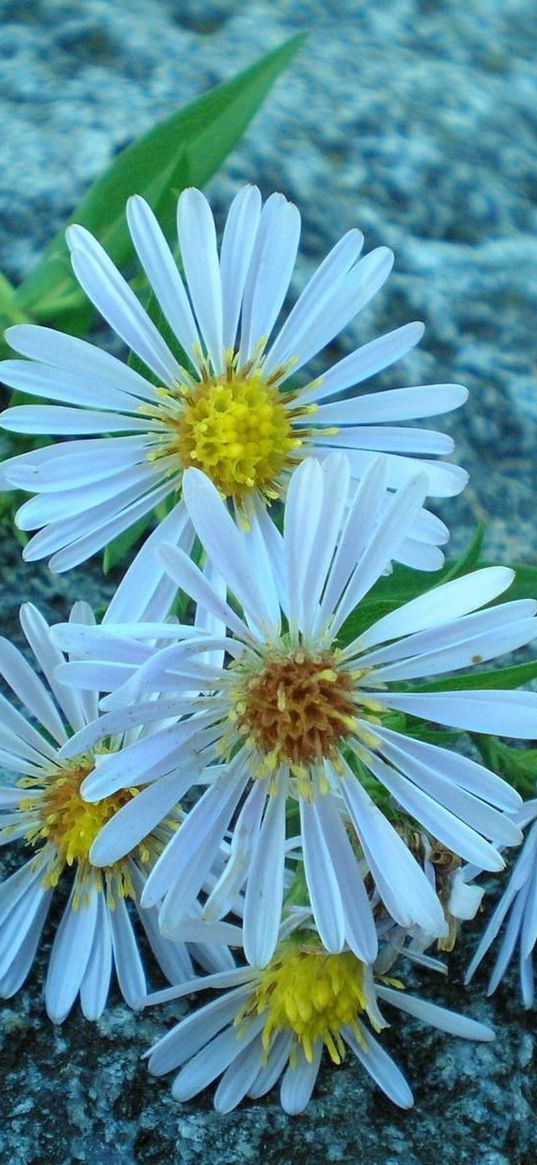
(185, 150)
(501, 677)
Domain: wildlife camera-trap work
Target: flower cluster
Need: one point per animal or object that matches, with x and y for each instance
(248, 757)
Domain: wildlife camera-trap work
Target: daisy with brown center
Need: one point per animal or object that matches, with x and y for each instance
(271, 1025)
(221, 401)
(293, 726)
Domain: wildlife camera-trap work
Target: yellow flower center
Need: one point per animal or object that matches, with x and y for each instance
(238, 432)
(70, 825)
(313, 994)
(297, 709)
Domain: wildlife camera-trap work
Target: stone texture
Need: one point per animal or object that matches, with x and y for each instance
(414, 119)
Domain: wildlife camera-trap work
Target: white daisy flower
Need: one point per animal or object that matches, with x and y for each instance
(273, 1024)
(224, 403)
(517, 907)
(294, 715)
(41, 805)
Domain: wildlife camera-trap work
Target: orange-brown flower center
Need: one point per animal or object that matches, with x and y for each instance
(297, 708)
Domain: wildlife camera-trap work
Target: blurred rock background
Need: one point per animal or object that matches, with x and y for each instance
(415, 120)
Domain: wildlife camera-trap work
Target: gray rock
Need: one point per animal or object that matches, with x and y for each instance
(415, 120)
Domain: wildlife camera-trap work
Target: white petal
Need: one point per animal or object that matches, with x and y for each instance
(440, 1017)
(31, 692)
(191, 579)
(196, 1030)
(115, 301)
(504, 713)
(96, 982)
(353, 292)
(241, 227)
(214, 1059)
(163, 276)
(458, 597)
(299, 1080)
(239, 1077)
(70, 422)
(264, 892)
(301, 532)
(137, 818)
(324, 892)
(312, 302)
(189, 855)
(381, 1068)
(382, 546)
(269, 274)
(365, 362)
(402, 884)
(229, 549)
(360, 931)
(394, 404)
(70, 953)
(79, 363)
(38, 634)
(128, 964)
(197, 240)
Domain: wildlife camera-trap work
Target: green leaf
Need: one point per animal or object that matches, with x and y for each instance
(516, 765)
(501, 677)
(184, 150)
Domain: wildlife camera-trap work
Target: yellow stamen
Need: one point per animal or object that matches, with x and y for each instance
(313, 994)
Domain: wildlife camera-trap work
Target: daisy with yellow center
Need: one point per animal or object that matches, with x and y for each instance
(292, 726)
(41, 806)
(220, 398)
(273, 1024)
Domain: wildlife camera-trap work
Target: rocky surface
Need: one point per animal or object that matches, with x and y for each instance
(414, 119)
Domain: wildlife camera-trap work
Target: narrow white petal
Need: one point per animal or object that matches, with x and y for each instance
(118, 305)
(95, 985)
(401, 882)
(76, 360)
(70, 953)
(312, 301)
(191, 579)
(382, 1069)
(458, 597)
(38, 634)
(128, 964)
(323, 888)
(394, 404)
(440, 1017)
(188, 857)
(301, 532)
(264, 892)
(195, 1031)
(360, 931)
(138, 817)
(228, 547)
(214, 1059)
(506, 713)
(197, 240)
(365, 362)
(299, 1080)
(459, 837)
(163, 276)
(382, 546)
(70, 422)
(269, 274)
(240, 231)
(239, 1077)
(353, 292)
(23, 681)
